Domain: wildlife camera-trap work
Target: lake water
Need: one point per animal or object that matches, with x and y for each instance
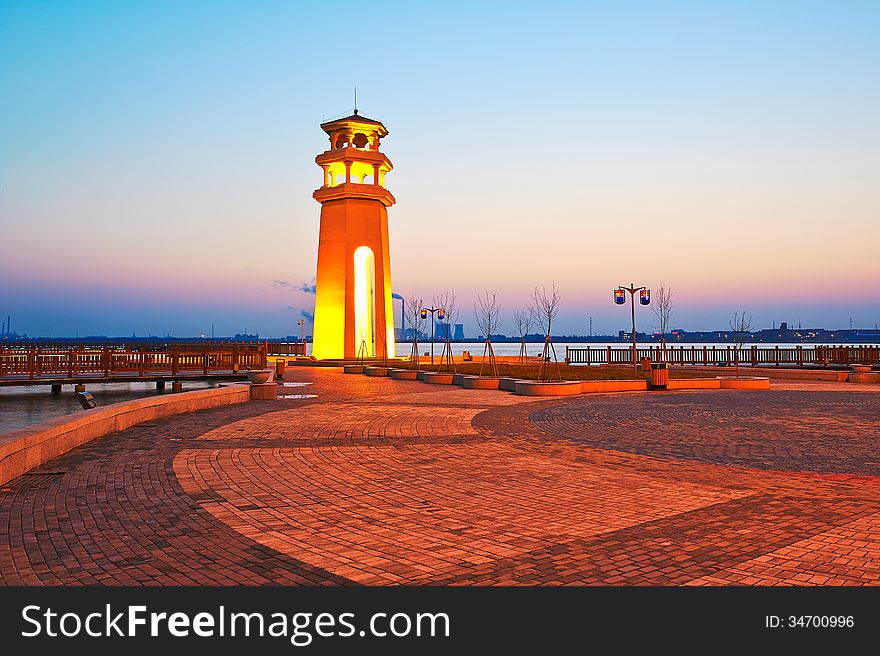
(25, 406)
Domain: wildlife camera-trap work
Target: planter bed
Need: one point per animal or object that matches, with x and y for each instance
(476, 382)
(508, 384)
(403, 374)
(434, 378)
(864, 378)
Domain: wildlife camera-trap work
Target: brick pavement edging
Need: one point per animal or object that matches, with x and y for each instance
(748, 382)
(560, 388)
(832, 376)
(30, 447)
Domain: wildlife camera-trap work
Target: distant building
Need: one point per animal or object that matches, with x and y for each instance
(407, 334)
(458, 333)
(627, 334)
(440, 329)
(7, 333)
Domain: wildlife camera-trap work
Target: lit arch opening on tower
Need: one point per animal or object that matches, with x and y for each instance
(364, 300)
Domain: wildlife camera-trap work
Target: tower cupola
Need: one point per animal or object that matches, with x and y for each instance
(353, 165)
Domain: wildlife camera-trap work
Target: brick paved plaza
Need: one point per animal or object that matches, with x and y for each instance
(375, 481)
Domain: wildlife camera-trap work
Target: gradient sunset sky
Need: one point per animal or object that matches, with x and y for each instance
(157, 158)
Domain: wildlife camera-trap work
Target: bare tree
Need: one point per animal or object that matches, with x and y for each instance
(416, 325)
(382, 345)
(741, 326)
(363, 347)
(487, 312)
(662, 308)
(446, 300)
(523, 320)
(546, 306)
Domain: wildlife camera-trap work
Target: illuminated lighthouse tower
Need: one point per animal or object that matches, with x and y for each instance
(353, 312)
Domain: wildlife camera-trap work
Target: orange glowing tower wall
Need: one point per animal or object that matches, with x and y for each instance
(353, 312)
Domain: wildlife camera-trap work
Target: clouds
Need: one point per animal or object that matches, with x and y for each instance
(298, 287)
(305, 314)
(305, 287)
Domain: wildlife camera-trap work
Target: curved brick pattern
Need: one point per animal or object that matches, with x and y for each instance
(845, 554)
(806, 431)
(382, 514)
(685, 549)
(112, 512)
(377, 421)
(381, 481)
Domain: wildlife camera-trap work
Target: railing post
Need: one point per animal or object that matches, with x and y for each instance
(608, 355)
(174, 361)
(705, 355)
(776, 355)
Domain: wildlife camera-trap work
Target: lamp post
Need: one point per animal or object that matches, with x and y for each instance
(644, 299)
(440, 315)
(302, 325)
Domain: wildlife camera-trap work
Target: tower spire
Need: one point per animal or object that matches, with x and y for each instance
(355, 100)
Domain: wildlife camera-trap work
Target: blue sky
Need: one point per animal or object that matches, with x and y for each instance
(156, 158)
